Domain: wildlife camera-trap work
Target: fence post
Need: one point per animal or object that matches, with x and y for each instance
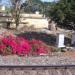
(60, 40)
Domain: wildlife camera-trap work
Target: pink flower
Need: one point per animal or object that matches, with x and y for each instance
(41, 51)
(22, 46)
(2, 46)
(5, 40)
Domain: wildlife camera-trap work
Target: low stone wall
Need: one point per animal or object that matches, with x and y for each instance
(35, 22)
(30, 20)
(31, 15)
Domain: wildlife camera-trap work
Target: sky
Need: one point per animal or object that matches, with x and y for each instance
(47, 0)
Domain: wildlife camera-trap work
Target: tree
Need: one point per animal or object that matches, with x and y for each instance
(16, 8)
(30, 6)
(63, 12)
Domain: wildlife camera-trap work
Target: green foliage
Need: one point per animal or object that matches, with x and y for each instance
(63, 12)
(59, 50)
(30, 6)
(8, 10)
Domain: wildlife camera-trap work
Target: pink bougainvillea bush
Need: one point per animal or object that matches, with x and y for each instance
(10, 44)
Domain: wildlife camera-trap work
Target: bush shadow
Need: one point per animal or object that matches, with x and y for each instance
(49, 39)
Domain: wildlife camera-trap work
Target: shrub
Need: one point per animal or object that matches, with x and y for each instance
(11, 44)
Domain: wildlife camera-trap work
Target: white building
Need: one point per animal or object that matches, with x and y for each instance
(2, 8)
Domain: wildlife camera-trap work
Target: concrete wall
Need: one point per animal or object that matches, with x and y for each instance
(32, 15)
(34, 20)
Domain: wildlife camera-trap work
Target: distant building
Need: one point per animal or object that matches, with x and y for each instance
(2, 8)
(37, 12)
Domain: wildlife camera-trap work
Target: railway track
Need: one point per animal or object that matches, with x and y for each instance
(38, 70)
